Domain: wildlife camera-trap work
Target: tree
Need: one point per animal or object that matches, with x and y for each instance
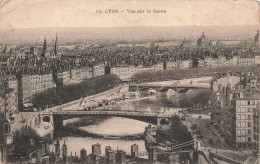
(65, 94)
(26, 141)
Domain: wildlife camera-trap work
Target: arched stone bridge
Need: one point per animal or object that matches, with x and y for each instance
(56, 118)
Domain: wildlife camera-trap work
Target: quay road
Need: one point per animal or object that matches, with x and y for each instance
(75, 105)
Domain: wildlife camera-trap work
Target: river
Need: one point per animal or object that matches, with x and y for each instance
(112, 131)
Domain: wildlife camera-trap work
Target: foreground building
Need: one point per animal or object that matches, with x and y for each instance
(256, 130)
(235, 109)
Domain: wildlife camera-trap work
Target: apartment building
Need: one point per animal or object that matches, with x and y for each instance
(181, 64)
(234, 101)
(171, 65)
(98, 70)
(256, 130)
(41, 82)
(123, 72)
(63, 78)
(245, 61)
(244, 108)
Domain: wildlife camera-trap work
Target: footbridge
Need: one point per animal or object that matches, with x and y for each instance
(57, 117)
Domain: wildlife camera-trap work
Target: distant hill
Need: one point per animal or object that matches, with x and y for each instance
(125, 33)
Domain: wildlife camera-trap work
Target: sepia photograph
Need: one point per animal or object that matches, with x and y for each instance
(129, 82)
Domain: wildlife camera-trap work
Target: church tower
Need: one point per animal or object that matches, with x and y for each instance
(44, 48)
(56, 46)
(4, 51)
(257, 39)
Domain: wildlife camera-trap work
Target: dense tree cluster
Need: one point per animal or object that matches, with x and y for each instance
(200, 100)
(189, 72)
(65, 94)
(179, 131)
(26, 141)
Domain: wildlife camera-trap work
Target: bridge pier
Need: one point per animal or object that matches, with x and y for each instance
(152, 154)
(58, 121)
(196, 147)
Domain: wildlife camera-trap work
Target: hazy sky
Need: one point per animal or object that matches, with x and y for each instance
(82, 13)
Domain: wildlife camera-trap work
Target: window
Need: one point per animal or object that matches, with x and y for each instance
(248, 109)
(238, 109)
(249, 132)
(243, 132)
(243, 110)
(243, 124)
(243, 117)
(239, 116)
(6, 128)
(248, 124)
(239, 132)
(238, 124)
(249, 139)
(249, 117)
(238, 138)
(248, 102)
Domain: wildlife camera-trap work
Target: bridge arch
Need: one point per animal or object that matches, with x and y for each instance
(46, 119)
(57, 119)
(151, 118)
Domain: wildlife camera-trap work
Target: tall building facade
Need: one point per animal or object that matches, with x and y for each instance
(235, 109)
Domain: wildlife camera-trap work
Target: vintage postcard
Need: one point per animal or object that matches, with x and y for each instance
(129, 81)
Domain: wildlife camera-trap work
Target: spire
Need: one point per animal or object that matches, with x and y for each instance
(4, 51)
(203, 35)
(44, 48)
(56, 45)
(257, 33)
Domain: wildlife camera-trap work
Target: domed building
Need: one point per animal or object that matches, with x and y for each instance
(257, 39)
(203, 41)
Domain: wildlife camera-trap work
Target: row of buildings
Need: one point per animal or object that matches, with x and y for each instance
(126, 72)
(17, 91)
(235, 110)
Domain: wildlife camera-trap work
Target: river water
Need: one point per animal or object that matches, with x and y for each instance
(111, 130)
(114, 127)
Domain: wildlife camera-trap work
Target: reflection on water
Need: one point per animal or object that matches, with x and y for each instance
(75, 144)
(117, 126)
